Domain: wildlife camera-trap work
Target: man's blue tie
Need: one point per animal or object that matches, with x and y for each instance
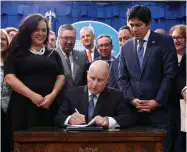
(91, 107)
(140, 53)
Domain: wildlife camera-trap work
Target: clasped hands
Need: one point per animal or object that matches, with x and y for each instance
(145, 105)
(79, 119)
(43, 102)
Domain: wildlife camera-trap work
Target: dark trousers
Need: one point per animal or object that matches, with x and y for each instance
(159, 119)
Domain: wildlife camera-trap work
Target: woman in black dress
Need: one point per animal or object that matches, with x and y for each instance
(35, 75)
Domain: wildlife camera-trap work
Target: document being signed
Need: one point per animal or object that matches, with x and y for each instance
(85, 125)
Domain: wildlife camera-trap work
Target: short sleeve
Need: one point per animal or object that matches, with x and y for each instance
(9, 66)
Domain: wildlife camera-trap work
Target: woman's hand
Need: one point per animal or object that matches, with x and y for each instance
(47, 101)
(37, 99)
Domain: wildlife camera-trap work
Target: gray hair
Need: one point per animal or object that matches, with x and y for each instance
(66, 27)
(104, 35)
(87, 28)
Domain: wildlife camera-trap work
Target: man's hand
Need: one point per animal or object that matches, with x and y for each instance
(141, 105)
(145, 105)
(76, 119)
(153, 105)
(102, 121)
(184, 94)
(136, 102)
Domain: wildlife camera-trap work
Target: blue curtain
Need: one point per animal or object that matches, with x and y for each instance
(164, 14)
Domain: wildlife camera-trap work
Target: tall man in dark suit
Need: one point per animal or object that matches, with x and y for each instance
(87, 37)
(74, 62)
(95, 100)
(148, 66)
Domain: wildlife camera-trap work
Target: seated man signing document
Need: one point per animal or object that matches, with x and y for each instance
(106, 105)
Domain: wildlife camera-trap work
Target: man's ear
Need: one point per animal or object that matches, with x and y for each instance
(107, 79)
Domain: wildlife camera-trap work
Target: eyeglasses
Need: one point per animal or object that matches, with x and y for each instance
(66, 38)
(179, 39)
(107, 45)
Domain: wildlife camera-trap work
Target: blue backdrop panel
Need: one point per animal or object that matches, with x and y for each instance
(165, 14)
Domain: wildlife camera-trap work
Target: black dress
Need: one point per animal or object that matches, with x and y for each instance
(39, 73)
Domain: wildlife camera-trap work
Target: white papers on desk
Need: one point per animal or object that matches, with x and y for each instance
(183, 115)
(85, 125)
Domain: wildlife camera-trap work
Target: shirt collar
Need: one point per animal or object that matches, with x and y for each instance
(89, 93)
(91, 50)
(70, 54)
(146, 37)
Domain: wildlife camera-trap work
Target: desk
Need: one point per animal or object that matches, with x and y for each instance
(136, 139)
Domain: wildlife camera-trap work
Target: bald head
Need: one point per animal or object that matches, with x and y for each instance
(100, 66)
(98, 76)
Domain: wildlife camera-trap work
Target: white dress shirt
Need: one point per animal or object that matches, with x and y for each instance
(146, 41)
(112, 121)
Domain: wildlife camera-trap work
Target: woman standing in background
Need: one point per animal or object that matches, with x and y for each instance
(5, 90)
(178, 33)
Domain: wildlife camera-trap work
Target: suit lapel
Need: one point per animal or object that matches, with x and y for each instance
(84, 102)
(100, 101)
(148, 50)
(135, 56)
(75, 64)
(64, 62)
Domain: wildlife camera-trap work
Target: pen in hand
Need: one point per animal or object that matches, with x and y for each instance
(76, 110)
(79, 113)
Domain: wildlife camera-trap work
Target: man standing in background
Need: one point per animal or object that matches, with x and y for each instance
(51, 44)
(74, 62)
(87, 38)
(124, 35)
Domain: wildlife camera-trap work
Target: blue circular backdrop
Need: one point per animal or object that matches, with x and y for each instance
(98, 28)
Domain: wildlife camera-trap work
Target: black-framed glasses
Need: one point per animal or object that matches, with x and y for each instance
(67, 38)
(179, 39)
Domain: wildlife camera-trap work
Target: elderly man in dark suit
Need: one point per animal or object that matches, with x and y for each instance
(107, 105)
(147, 69)
(74, 62)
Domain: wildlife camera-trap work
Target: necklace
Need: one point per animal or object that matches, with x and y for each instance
(40, 52)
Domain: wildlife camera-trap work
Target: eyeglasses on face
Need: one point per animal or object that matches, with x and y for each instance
(66, 38)
(107, 45)
(179, 39)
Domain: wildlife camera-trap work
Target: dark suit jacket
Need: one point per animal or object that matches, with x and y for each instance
(181, 78)
(110, 103)
(79, 70)
(159, 69)
(114, 74)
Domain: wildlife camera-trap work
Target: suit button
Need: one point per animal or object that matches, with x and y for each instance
(141, 93)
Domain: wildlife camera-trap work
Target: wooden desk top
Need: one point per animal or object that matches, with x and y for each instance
(57, 134)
